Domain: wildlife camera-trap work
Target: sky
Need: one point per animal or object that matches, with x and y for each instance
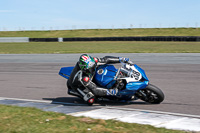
(97, 14)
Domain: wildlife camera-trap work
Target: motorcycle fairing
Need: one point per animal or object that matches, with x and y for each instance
(65, 72)
(132, 87)
(105, 75)
(144, 76)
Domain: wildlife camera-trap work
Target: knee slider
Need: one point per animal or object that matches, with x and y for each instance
(85, 80)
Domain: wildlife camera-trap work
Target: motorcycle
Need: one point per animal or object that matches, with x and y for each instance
(130, 80)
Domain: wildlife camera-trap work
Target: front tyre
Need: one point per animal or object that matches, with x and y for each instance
(152, 94)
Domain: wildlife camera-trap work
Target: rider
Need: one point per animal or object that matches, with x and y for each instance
(81, 77)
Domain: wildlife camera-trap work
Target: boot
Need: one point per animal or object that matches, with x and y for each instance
(98, 91)
(112, 92)
(105, 92)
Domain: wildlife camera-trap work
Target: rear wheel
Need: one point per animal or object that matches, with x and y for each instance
(152, 94)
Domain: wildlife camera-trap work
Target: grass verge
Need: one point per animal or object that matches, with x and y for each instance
(24, 120)
(99, 47)
(104, 33)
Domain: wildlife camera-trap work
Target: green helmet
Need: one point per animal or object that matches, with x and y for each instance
(87, 63)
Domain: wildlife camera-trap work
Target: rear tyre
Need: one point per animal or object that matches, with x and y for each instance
(152, 94)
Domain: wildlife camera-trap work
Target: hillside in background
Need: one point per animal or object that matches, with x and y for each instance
(104, 33)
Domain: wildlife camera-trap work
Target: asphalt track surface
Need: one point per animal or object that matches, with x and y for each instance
(36, 77)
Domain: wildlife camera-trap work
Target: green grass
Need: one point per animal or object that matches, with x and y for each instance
(99, 47)
(30, 120)
(104, 33)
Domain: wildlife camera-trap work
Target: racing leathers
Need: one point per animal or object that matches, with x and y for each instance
(81, 81)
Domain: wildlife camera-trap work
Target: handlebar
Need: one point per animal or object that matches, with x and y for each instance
(124, 69)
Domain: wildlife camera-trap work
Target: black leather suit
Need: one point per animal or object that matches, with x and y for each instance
(76, 81)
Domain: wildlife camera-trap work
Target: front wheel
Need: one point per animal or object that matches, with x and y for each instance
(151, 94)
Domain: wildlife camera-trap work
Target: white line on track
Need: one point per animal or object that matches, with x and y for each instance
(109, 107)
(41, 101)
(28, 100)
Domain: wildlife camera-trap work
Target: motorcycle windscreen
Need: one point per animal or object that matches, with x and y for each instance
(65, 72)
(105, 75)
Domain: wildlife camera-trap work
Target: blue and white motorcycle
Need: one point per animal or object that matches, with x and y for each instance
(130, 80)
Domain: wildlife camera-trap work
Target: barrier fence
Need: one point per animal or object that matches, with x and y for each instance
(43, 39)
(14, 39)
(147, 38)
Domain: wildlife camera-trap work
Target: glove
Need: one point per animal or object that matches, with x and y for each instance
(124, 60)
